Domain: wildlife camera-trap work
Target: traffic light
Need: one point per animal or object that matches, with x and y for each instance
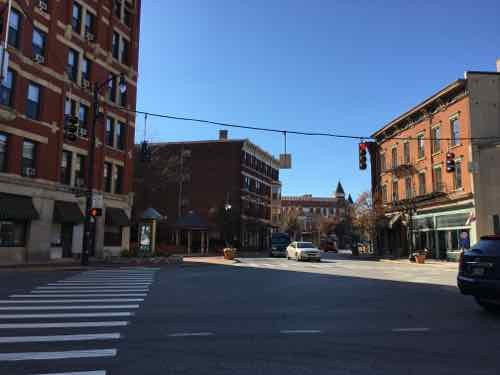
(71, 128)
(363, 146)
(95, 212)
(145, 152)
(450, 162)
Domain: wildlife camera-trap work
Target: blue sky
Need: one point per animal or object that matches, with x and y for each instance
(325, 66)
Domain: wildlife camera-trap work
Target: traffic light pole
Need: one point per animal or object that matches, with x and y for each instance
(88, 237)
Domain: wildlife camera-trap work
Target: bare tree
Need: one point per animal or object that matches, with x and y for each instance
(364, 216)
(290, 224)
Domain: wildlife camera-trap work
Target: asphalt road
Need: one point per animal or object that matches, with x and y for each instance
(260, 316)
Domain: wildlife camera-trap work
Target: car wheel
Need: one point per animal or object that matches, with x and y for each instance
(297, 258)
(488, 306)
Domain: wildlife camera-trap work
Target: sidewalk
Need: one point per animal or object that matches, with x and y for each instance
(75, 265)
(211, 259)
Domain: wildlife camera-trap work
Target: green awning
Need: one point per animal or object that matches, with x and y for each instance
(116, 217)
(17, 208)
(67, 213)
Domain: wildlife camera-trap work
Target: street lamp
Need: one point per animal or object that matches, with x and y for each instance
(88, 230)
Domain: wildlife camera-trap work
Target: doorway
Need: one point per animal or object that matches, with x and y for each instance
(67, 240)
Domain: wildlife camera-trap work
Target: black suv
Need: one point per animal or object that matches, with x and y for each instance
(479, 273)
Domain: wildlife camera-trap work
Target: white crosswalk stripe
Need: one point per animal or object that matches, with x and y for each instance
(92, 295)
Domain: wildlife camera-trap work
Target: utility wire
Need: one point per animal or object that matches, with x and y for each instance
(288, 131)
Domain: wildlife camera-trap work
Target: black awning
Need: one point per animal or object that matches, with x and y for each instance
(67, 213)
(17, 207)
(116, 217)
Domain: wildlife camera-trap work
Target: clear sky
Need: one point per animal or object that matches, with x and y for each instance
(342, 66)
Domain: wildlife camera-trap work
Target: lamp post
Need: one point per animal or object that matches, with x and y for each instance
(88, 238)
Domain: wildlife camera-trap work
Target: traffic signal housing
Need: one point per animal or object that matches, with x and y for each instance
(95, 212)
(71, 128)
(450, 162)
(145, 152)
(363, 147)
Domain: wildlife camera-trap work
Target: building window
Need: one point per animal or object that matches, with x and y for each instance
(123, 98)
(110, 132)
(436, 139)
(3, 152)
(33, 101)
(89, 23)
(384, 194)
(115, 46)
(118, 177)
(124, 51)
(127, 15)
(83, 116)
(455, 131)
(120, 135)
(117, 8)
(6, 89)
(457, 178)
(394, 153)
(406, 152)
(76, 18)
(247, 183)
(383, 166)
(72, 69)
(15, 28)
(408, 188)
(112, 88)
(28, 160)
(421, 146)
(80, 171)
(39, 42)
(112, 236)
(107, 177)
(66, 167)
(395, 191)
(421, 184)
(85, 65)
(438, 179)
(12, 233)
(70, 107)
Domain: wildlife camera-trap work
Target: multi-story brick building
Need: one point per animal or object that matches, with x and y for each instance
(311, 210)
(206, 177)
(411, 184)
(59, 50)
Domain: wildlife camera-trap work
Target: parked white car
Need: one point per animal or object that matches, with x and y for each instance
(303, 251)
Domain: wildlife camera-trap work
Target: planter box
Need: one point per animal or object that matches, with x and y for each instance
(229, 253)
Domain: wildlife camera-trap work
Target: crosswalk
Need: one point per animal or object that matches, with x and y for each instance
(64, 327)
(284, 264)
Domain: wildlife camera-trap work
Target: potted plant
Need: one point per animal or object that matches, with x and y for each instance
(229, 253)
(420, 256)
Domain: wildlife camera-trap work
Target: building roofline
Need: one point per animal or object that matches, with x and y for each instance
(195, 142)
(452, 86)
(480, 72)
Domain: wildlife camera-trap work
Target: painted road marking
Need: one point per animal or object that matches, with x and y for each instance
(64, 325)
(300, 331)
(189, 334)
(72, 307)
(71, 315)
(84, 283)
(10, 357)
(27, 301)
(79, 373)
(64, 287)
(89, 291)
(410, 329)
(60, 338)
(76, 295)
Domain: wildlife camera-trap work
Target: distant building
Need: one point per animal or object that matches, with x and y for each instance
(232, 185)
(310, 210)
(58, 51)
(424, 205)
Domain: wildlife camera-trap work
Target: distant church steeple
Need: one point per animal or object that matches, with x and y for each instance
(339, 193)
(349, 199)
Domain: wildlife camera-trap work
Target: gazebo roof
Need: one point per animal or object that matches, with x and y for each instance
(192, 221)
(151, 214)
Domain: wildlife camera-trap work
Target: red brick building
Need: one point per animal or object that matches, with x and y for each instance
(206, 177)
(58, 51)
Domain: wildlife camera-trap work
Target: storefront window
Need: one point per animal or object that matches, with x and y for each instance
(112, 236)
(12, 233)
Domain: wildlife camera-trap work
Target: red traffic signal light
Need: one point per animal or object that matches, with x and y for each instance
(450, 162)
(95, 212)
(363, 147)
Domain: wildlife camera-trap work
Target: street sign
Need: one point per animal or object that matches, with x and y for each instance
(285, 161)
(97, 200)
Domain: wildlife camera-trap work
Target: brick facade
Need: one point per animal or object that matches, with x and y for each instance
(90, 37)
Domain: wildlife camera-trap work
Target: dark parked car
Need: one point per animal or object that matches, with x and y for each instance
(479, 273)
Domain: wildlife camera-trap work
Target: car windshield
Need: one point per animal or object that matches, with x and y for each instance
(305, 245)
